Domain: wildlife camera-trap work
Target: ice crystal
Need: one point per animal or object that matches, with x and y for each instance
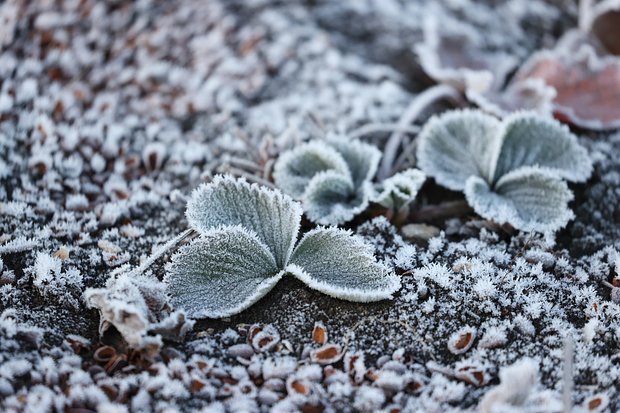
(511, 171)
(51, 281)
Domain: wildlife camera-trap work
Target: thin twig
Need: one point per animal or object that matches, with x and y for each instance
(243, 163)
(251, 147)
(406, 154)
(381, 127)
(245, 174)
(608, 284)
(319, 126)
(416, 107)
(161, 251)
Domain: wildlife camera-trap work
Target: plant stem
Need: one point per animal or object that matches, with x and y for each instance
(444, 210)
(243, 163)
(416, 107)
(380, 127)
(161, 251)
(585, 15)
(569, 354)
(241, 173)
(406, 155)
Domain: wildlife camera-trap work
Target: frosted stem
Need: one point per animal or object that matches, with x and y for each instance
(161, 251)
(416, 107)
(585, 14)
(244, 174)
(569, 353)
(381, 127)
(406, 155)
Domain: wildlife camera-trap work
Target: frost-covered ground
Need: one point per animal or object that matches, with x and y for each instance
(111, 112)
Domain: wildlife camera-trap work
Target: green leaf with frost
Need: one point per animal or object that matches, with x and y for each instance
(295, 168)
(530, 140)
(331, 198)
(529, 199)
(232, 265)
(399, 190)
(361, 158)
(511, 171)
(331, 177)
(222, 273)
(339, 264)
(457, 145)
(272, 216)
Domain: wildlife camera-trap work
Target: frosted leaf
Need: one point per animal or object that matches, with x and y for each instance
(361, 158)
(527, 94)
(222, 273)
(531, 140)
(122, 305)
(332, 199)
(587, 86)
(273, 216)
(458, 144)
(529, 198)
(294, 169)
(400, 189)
(335, 262)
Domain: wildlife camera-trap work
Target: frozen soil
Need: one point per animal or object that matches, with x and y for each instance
(111, 112)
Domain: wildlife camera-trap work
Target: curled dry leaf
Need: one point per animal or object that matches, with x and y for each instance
(244, 351)
(62, 253)
(296, 385)
(153, 155)
(319, 333)
(355, 367)
(462, 340)
(597, 403)
(327, 354)
(415, 384)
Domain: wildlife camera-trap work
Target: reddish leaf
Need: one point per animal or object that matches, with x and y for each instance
(587, 86)
(605, 25)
